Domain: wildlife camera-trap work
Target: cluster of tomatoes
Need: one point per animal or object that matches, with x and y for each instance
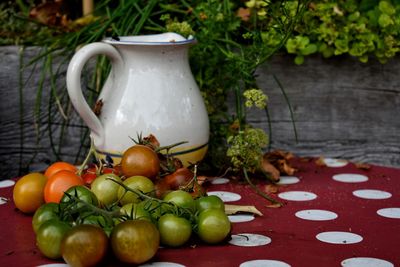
(129, 209)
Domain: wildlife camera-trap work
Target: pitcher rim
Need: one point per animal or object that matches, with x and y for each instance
(129, 40)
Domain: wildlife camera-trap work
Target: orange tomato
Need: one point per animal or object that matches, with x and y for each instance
(28, 192)
(58, 166)
(58, 183)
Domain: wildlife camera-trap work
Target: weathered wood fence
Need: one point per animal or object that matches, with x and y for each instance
(342, 108)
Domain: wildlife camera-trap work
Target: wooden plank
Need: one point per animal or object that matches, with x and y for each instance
(342, 108)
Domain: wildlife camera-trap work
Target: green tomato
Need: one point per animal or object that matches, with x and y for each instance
(209, 202)
(181, 198)
(44, 213)
(135, 211)
(174, 231)
(82, 193)
(140, 183)
(213, 226)
(105, 189)
(49, 237)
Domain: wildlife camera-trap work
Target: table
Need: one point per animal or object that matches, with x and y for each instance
(335, 214)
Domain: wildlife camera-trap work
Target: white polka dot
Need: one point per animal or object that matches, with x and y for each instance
(162, 264)
(393, 213)
(3, 200)
(264, 263)
(288, 180)
(297, 195)
(335, 163)
(350, 178)
(237, 218)
(316, 215)
(366, 262)
(339, 237)
(220, 180)
(225, 196)
(249, 240)
(54, 265)
(6, 183)
(372, 194)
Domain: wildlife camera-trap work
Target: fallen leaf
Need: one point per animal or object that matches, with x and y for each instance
(275, 205)
(271, 188)
(233, 209)
(320, 161)
(363, 166)
(271, 169)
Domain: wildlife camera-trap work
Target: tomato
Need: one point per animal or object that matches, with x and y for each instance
(209, 202)
(106, 189)
(174, 231)
(58, 183)
(59, 166)
(82, 193)
(49, 236)
(141, 183)
(135, 241)
(89, 175)
(140, 160)
(135, 211)
(84, 245)
(28, 192)
(180, 177)
(44, 213)
(181, 198)
(213, 226)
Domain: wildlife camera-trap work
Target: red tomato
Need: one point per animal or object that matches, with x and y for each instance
(58, 183)
(59, 166)
(180, 177)
(140, 160)
(89, 175)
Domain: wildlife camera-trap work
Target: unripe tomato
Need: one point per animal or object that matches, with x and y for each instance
(140, 160)
(106, 189)
(181, 198)
(174, 231)
(28, 192)
(49, 236)
(135, 241)
(84, 245)
(209, 202)
(141, 183)
(213, 226)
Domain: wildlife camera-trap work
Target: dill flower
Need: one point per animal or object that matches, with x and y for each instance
(255, 97)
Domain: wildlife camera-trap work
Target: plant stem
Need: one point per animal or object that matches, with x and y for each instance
(261, 193)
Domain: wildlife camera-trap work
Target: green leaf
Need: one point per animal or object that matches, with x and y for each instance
(386, 8)
(385, 20)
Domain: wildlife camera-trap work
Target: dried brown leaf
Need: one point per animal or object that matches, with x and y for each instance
(271, 169)
(363, 166)
(271, 188)
(233, 209)
(275, 205)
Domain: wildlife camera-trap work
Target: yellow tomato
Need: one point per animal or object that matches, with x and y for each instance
(28, 192)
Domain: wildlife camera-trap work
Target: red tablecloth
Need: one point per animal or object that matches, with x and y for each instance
(333, 216)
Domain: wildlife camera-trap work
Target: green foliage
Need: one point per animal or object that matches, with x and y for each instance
(362, 29)
(234, 38)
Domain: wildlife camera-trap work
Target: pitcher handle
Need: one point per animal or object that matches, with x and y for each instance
(74, 71)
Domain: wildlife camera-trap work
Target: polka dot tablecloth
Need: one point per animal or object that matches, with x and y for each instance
(334, 215)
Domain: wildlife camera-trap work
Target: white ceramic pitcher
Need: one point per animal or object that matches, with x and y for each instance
(150, 90)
